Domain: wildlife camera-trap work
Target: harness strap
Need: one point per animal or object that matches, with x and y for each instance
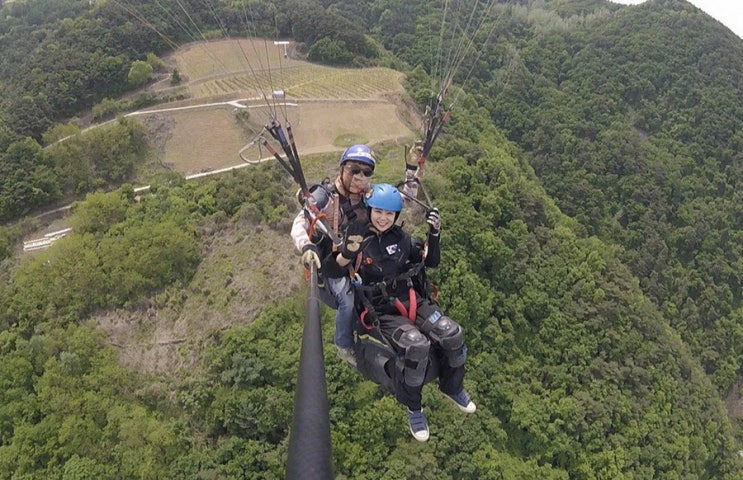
(413, 305)
(353, 269)
(399, 306)
(336, 213)
(368, 310)
(410, 313)
(313, 222)
(382, 286)
(362, 318)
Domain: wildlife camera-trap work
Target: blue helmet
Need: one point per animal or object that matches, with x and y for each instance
(384, 197)
(359, 153)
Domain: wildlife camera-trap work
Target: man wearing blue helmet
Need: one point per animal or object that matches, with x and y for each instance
(341, 201)
(390, 265)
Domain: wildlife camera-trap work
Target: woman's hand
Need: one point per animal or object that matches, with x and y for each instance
(354, 235)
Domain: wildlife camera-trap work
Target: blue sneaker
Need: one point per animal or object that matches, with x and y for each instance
(463, 401)
(418, 425)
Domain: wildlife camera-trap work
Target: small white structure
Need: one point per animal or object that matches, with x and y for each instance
(284, 43)
(45, 242)
(278, 95)
(58, 233)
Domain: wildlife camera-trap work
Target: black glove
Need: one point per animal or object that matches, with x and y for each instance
(354, 235)
(434, 221)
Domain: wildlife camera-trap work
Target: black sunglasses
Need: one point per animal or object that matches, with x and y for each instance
(368, 172)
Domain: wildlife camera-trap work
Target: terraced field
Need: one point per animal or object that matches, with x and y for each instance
(228, 66)
(324, 104)
(226, 56)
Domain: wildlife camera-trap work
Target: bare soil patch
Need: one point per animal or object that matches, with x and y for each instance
(324, 105)
(734, 401)
(203, 140)
(324, 122)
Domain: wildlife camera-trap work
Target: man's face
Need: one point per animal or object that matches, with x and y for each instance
(356, 175)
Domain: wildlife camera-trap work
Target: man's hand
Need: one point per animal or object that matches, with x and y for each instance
(410, 173)
(434, 221)
(355, 232)
(415, 154)
(310, 256)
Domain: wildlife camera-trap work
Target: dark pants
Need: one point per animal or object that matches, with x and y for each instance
(450, 378)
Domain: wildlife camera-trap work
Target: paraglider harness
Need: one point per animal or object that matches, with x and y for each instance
(378, 292)
(344, 212)
(376, 357)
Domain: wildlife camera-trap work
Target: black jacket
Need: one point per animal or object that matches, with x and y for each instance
(387, 257)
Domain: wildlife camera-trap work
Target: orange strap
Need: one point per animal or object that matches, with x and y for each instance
(311, 230)
(362, 317)
(400, 307)
(413, 312)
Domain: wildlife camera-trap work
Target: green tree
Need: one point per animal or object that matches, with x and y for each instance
(26, 179)
(175, 77)
(154, 61)
(139, 73)
(333, 52)
(29, 115)
(99, 212)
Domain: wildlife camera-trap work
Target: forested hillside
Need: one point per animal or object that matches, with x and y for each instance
(632, 119)
(634, 124)
(593, 222)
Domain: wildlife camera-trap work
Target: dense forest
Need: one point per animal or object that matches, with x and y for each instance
(589, 184)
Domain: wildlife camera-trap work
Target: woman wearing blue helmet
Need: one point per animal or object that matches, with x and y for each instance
(390, 265)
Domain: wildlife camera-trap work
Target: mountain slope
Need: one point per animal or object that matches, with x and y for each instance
(581, 364)
(632, 118)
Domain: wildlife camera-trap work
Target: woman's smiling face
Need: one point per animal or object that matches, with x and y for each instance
(382, 220)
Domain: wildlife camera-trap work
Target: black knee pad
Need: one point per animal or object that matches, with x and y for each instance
(430, 315)
(414, 360)
(449, 335)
